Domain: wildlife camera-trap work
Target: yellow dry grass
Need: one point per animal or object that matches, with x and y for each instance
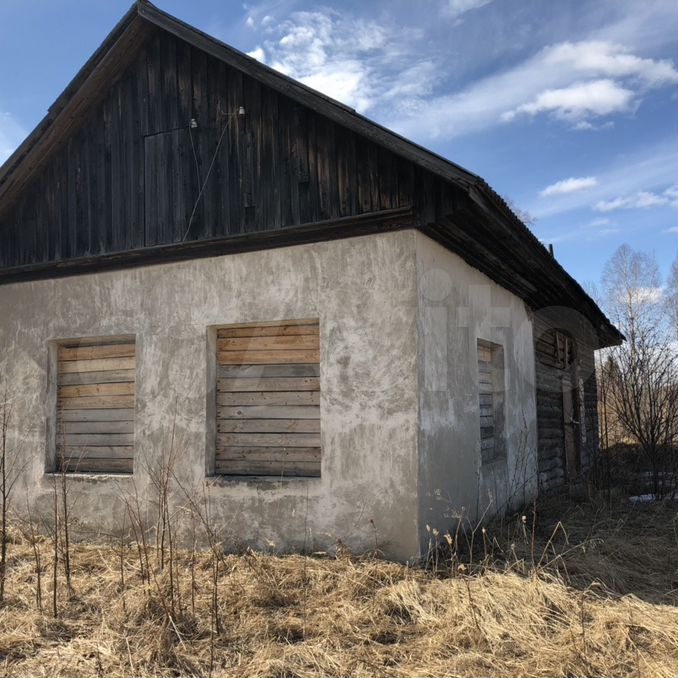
(603, 605)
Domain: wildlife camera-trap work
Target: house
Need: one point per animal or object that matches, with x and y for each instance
(339, 334)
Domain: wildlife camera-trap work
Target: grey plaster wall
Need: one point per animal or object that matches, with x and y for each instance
(457, 305)
(399, 319)
(364, 292)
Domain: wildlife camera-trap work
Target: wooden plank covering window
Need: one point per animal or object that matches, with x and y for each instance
(268, 399)
(491, 400)
(95, 405)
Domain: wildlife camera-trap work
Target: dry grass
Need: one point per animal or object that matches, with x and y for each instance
(604, 607)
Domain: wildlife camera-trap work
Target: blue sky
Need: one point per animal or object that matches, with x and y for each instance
(567, 108)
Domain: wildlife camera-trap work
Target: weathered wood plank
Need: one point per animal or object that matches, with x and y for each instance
(272, 468)
(264, 384)
(269, 454)
(115, 414)
(485, 380)
(266, 357)
(268, 371)
(70, 427)
(100, 452)
(267, 440)
(267, 331)
(278, 343)
(485, 399)
(118, 388)
(110, 376)
(91, 440)
(272, 398)
(270, 323)
(97, 352)
(269, 412)
(96, 402)
(484, 354)
(77, 465)
(71, 366)
(268, 426)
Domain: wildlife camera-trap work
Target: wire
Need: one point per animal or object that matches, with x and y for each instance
(207, 176)
(195, 155)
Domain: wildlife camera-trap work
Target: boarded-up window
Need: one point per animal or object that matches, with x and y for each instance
(491, 400)
(95, 405)
(268, 399)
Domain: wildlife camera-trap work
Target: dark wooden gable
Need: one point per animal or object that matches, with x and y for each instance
(144, 158)
(167, 142)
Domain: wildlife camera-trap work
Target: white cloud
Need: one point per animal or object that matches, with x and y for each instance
(587, 232)
(638, 200)
(649, 295)
(569, 186)
(674, 229)
(360, 62)
(578, 83)
(586, 125)
(581, 100)
(455, 8)
(258, 54)
(395, 72)
(11, 135)
(596, 57)
(654, 168)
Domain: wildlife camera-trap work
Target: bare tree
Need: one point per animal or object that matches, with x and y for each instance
(671, 298)
(641, 376)
(528, 219)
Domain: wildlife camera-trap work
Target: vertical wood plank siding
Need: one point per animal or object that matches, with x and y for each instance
(268, 399)
(131, 175)
(95, 406)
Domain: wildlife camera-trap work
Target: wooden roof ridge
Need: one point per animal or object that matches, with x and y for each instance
(121, 44)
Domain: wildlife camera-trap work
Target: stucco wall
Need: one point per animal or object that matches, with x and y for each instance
(364, 292)
(457, 305)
